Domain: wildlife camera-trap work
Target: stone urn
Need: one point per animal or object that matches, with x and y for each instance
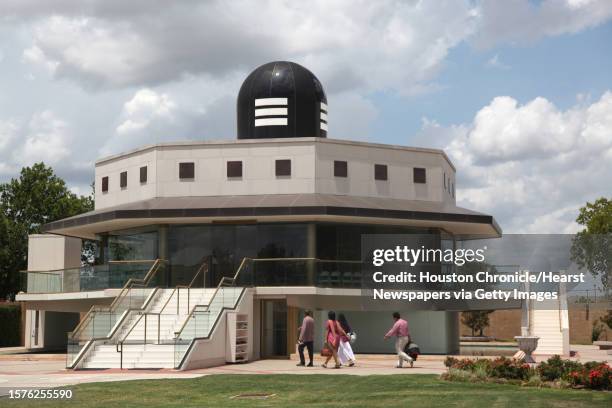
(527, 344)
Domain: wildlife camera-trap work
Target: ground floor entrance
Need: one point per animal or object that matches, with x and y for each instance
(274, 328)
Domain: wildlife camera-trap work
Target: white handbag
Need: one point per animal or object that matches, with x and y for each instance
(353, 337)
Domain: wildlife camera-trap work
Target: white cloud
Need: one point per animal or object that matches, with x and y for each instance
(8, 131)
(371, 45)
(144, 107)
(525, 21)
(531, 166)
(47, 139)
(42, 137)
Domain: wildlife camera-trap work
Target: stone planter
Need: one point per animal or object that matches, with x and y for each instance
(527, 344)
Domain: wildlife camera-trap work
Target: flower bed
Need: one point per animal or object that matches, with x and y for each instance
(555, 372)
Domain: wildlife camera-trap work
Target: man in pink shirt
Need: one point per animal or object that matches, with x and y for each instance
(400, 330)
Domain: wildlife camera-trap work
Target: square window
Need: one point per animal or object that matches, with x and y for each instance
(104, 184)
(419, 176)
(283, 167)
(380, 172)
(234, 169)
(340, 168)
(186, 170)
(143, 174)
(123, 179)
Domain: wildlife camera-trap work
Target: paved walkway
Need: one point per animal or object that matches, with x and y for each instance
(47, 370)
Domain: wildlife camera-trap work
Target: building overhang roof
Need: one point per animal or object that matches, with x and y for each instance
(278, 208)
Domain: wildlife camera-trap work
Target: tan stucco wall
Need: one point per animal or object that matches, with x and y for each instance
(311, 170)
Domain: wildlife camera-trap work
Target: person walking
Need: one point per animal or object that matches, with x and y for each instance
(306, 338)
(400, 330)
(345, 351)
(332, 338)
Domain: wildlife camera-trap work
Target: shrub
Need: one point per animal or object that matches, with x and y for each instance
(450, 361)
(596, 331)
(554, 372)
(591, 365)
(600, 377)
(576, 378)
(552, 369)
(512, 369)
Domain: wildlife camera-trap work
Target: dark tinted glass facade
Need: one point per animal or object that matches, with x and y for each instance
(227, 245)
(336, 247)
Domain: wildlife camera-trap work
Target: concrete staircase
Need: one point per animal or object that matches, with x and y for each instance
(157, 354)
(549, 321)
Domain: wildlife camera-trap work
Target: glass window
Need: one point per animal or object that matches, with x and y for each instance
(186, 170)
(104, 184)
(419, 175)
(133, 246)
(234, 169)
(340, 168)
(123, 179)
(283, 168)
(380, 172)
(143, 174)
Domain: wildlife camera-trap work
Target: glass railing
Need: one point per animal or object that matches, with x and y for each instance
(203, 319)
(100, 321)
(115, 274)
(43, 282)
(301, 272)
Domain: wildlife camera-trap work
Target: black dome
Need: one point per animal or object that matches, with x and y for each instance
(281, 99)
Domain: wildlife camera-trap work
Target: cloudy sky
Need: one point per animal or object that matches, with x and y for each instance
(518, 93)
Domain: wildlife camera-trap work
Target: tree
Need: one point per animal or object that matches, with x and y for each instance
(37, 197)
(607, 319)
(477, 320)
(592, 247)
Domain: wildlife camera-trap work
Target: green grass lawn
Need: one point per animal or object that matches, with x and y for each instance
(318, 391)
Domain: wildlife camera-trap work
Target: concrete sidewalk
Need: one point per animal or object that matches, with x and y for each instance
(47, 370)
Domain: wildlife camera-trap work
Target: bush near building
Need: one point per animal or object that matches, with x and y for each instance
(555, 372)
(10, 324)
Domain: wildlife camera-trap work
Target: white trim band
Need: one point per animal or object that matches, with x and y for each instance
(270, 101)
(271, 122)
(324, 126)
(324, 116)
(323, 106)
(271, 112)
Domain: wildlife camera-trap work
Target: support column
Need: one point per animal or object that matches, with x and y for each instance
(162, 253)
(311, 252)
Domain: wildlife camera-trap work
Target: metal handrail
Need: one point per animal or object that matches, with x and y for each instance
(188, 287)
(242, 263)
(219, 285)
(112, 333)
(152, 271)
(120, 344)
